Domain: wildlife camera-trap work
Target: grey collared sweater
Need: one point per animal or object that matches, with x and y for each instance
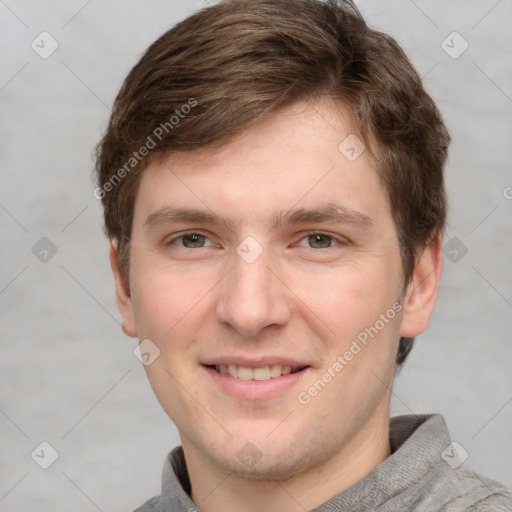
(422, 474)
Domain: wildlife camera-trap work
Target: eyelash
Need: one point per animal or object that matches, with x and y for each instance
(339, 241)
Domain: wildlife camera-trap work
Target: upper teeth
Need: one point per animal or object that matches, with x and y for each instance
(246, 373)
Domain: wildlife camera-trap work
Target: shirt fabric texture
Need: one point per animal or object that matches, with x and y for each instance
(422, 474)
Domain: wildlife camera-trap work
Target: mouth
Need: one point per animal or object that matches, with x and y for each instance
(260, 373)
(259, 378)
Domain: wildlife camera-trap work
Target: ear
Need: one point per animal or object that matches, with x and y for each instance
(422, 290)
(123, 298)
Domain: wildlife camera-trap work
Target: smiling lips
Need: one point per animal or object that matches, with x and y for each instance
(260, 373)
(262, 378)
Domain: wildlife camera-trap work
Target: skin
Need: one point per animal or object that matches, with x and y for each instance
(302, 297)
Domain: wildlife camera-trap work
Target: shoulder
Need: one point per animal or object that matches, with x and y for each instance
(478, 494)
(152, 505)
(497, 502)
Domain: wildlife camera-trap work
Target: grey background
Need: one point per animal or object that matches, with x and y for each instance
(69, 376)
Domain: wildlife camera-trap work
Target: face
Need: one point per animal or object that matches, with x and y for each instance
(268, 276)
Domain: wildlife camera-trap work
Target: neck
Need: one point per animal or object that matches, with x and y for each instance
(214, 490)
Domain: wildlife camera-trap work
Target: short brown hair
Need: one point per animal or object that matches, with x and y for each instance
(227, 66)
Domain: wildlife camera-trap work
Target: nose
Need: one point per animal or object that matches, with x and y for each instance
(253, 297)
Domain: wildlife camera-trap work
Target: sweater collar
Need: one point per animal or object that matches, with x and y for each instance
(417, 442)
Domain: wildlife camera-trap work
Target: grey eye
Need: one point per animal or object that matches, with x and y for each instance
(193, 240)
(319, 241)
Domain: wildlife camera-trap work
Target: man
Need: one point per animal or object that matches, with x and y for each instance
(272, 181)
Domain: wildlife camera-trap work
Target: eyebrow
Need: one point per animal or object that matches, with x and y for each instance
(328, 212)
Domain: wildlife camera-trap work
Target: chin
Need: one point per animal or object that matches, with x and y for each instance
(273, 466)
(270, 470)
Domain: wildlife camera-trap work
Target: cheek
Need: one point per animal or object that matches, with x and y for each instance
(349, 298)
(165, 295)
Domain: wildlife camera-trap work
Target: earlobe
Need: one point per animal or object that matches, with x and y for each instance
(422, 291)
(123, 298)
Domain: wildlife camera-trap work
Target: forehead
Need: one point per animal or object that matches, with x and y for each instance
(303, 156)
